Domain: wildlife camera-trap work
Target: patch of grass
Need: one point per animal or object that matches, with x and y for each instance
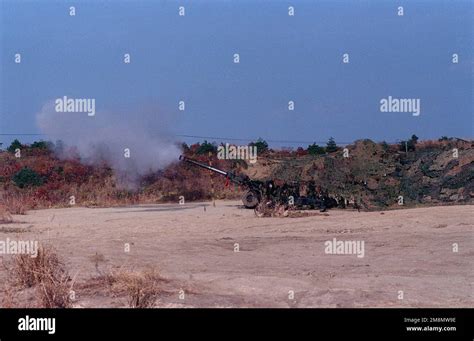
(47, 274)
(18, 203)
(5, 216)
(142, 288)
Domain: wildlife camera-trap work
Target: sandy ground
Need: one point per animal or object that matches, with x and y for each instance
(194, 246)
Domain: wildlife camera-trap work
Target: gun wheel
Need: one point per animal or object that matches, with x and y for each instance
(250, 199)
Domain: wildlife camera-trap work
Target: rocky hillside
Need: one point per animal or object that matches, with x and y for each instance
(377, 174)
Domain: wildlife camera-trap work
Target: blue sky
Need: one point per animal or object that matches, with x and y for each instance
(282, 58)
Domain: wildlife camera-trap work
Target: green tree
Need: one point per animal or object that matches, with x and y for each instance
(14, 145)
(314, 149)
(206, 147)
(331, 145)
(261, 144)
(40, 145)
(27, 177)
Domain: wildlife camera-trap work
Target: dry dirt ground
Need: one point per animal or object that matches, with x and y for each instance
(194, 246)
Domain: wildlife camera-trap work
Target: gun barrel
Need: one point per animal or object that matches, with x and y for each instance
(202, 165)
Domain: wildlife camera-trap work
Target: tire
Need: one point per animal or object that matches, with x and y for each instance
(250, 199)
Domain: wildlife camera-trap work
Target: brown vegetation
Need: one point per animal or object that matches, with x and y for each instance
(5, 216)
(46, 273)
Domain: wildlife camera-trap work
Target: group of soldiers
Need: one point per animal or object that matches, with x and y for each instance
(289, 193)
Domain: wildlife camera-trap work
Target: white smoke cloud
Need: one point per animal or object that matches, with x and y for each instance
(105, 136)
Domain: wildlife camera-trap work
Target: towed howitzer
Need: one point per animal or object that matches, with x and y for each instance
(254, 188)
(257, 190)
